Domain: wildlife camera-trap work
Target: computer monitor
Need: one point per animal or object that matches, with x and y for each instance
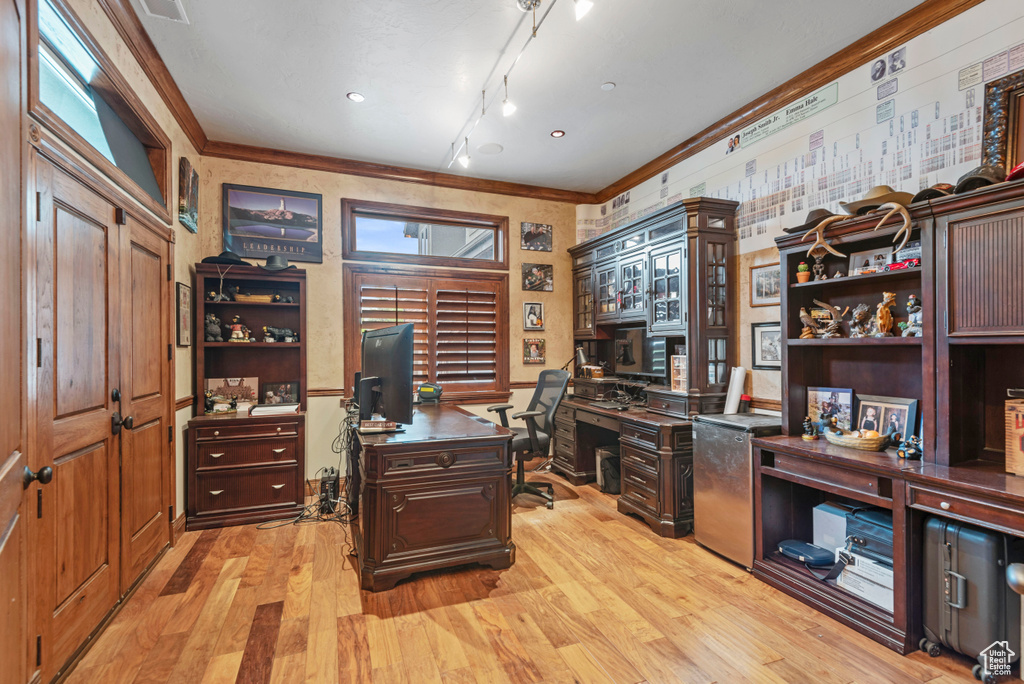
(385, 385)
(637, 353)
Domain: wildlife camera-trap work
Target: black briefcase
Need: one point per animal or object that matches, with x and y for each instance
(869, 533)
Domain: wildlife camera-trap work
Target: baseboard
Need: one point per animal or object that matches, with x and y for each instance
(177, 529)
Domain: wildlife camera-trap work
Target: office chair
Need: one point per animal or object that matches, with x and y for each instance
(535, 439)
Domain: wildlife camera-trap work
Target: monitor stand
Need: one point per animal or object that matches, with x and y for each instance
(368, 391)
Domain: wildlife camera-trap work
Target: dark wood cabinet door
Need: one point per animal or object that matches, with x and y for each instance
(606, 291)
(667, 276)
(583, 303)
(633, 288)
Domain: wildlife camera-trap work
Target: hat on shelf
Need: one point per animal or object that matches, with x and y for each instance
(985, 174)
(814, 217)
(1016, 173)
(225, 257)
(874, 198)
(934, 192)
(276, 262)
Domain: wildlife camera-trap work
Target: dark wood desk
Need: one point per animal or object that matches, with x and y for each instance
(656, 454)
(434, 496)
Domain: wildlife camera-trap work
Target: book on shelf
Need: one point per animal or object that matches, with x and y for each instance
(273, 409)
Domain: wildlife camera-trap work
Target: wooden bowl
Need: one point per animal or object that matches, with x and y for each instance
(863, 443)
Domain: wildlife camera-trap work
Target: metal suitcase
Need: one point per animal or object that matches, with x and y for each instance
(968, 605)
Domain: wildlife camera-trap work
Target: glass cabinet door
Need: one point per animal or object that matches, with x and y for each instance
(634, 297)
(667, 295)
(583, 303)
(607, 293)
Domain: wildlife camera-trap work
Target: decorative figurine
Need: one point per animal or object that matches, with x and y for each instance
(834, 327)
(237, 334)
(208, 401)
(810, 432)
(267, 337)
(810, 330)
(839, 274)
(820, 247)
(860, 324)
(213, 333)
(276, 298)
(819, 267)
(233, 404)
(803, 272)
(280, 334)
(232, 291)
(910, 449)
(883, 319)
(915, 320)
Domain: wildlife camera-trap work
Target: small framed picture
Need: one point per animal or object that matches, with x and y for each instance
(184, 315)
(533, 316)
(766, 346)
(538, 277)
(535, 237)
(871, 261)
(533, 351)
(679, 373)
(242, 389)
(285, 392)
(188, 195)
(765, 284)
(829, 402)
(886, 415)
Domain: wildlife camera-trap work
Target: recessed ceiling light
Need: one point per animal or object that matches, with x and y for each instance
(608, 86)
(490, 148)
(355, 97)
(557, 134)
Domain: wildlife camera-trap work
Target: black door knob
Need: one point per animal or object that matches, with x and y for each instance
(44, 475)
(117, 422)
(115, 394)
(128, 423)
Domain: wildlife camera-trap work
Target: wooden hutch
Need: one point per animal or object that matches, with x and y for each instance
(970, 287)
(672, 274)
(241, 468)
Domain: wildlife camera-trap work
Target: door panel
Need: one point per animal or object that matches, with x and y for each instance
(145, 383)
(76, 253)
(13, 579)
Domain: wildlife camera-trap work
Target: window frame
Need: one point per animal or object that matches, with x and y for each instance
(111, 85)
(350, 208)
(350, 271)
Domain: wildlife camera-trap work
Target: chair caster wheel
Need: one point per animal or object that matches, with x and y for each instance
(930, 647)
(550, 505)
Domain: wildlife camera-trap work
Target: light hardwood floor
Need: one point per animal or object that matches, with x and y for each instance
(594, 596)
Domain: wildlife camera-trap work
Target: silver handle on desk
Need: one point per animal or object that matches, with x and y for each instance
(217, 455)
(215, 492)
(276, 486)
(944, 505)
(278, 451)
(637, 479)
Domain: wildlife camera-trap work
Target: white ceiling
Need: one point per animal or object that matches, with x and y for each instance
(274, 73)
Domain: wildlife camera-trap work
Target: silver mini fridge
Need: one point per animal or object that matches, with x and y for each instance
(723, 481)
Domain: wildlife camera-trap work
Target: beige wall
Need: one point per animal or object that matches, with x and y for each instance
(761, 384)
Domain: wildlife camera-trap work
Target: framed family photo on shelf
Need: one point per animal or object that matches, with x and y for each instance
(533, 316)
(887, 414)
(831, 402)
(765, 284)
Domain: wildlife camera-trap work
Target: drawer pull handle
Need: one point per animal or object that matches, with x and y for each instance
(217, 455)
(216, 433)
(445, 459)
(278, 429)
(215, 492)
(944, 505)
(279, 451)
(276, 486)
(637, 479)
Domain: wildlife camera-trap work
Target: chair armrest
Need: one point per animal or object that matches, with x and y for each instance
(499, 407)
(527, 414)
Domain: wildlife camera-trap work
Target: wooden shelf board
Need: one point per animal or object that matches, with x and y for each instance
(902, 274)
(858, 341)
(251, 345)
(272, 305)
(840, 594)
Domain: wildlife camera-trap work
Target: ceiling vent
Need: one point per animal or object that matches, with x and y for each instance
(165, 9)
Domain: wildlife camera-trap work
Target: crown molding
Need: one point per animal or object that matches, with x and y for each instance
(880, 41)
(315, 162)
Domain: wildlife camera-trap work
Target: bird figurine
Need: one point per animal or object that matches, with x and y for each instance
(834, 326)
(810, 330)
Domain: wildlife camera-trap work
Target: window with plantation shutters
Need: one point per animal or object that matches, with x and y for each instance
(460, 322)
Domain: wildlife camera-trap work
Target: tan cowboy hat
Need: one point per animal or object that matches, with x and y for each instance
(874, 198)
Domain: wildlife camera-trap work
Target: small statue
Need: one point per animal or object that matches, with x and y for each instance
(915, 321)
(208, 401)
(280, 334)
(213, 333)
(911, 449)
(233, 404)
(237, 334)
(830, 424)
(810, 432)
(819, 268)
(883, 319)
(232, 291)
(288, 300)
(834, 327)
(810, 330)
(860, 324)
(267, 337)
(839, 274)
(276, 298)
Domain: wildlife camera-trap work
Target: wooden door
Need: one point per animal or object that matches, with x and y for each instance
(76, 561)
(13, 577)
(145, 301)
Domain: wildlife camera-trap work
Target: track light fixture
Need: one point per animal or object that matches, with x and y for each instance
(464, 157)
(582, 7)
(507, 108)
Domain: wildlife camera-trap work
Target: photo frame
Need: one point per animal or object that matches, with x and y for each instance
(280, 392)
(766, 346)
(889, 414)
(258, 222)
(533, 315)
(870, 261)
(533, 351)
(188, 195)
(244, 389)
(765, 285)
(831, 401)
(535, 237)
(1001, 145)
(538, 277)
(184, 298)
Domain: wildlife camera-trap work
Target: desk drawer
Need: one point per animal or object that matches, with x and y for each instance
(987, 515)
(565, 432)
(668, 405)
(832, 475)
(247, 429)
(565, 450)
(565, 413)
(420, 462)
(641, 434)
(640, 477)
(635, 457)
(598, 420)
(638, 496)
(222, 454)
(219, 491)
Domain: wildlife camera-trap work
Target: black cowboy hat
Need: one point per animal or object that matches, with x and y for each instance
(980, 177)
(814, 217)
(225, 257)
(276, 262)
(934, 192)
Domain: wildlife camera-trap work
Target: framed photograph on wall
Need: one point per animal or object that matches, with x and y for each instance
(184, 293)
(765, 285)
(538, 277)
(533, 316)
(870, 261)
(188, 195)
(533, 351)
(886, 414)
(259, 222)
(535, 237)
(828, 402)
(766, 346)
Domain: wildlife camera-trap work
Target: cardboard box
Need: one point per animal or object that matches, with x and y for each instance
(869, 569)
(1015, 436)
(871, 592)
(829, 524)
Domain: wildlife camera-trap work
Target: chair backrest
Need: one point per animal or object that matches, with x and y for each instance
(551, 385)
